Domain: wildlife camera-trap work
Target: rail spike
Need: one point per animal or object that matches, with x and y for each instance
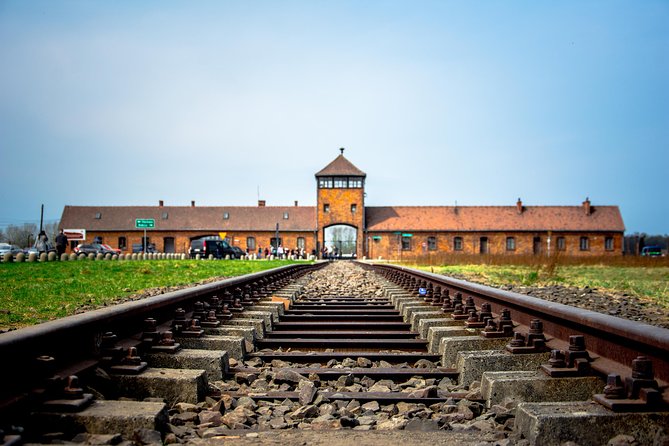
(638, 393)
(534, 342)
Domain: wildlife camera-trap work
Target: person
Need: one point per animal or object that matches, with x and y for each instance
(266, 253)
(260, 252)
(40, 244)
(61, 243)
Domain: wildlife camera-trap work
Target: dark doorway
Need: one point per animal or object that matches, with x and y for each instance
(536, 245)
(168, 245)
(483, 246)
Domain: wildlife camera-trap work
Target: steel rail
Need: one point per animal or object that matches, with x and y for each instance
(616, 341)
(73, 335)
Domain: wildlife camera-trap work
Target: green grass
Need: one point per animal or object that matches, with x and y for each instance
(31, 293)
(646, 283)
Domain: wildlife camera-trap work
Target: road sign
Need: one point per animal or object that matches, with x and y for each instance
(407, 235)
(376, 237)
(145, 223)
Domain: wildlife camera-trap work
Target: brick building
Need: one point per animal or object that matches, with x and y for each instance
(340, 220)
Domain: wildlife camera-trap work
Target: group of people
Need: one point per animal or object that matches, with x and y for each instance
(280, 252)
(330, 253)
(42, 246)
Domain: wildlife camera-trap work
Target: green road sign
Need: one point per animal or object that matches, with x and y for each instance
(407, 235)
(145, 223)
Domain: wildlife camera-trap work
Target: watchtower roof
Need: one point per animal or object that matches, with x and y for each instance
(340, 166)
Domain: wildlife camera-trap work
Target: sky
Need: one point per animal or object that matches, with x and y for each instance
(439, 102)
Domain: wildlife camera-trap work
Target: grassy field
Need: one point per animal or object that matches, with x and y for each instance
(31, 293)
(651, 283)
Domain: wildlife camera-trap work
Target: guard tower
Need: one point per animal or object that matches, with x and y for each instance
(341, 207)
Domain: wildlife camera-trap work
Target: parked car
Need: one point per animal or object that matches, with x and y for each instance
(6, 247)
(206, 246)
(239, 252)
(109, 248)
(93, 248)
(138, 247)
(651, 251)
(48, 247)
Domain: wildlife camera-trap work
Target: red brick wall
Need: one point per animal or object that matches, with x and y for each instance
(182, 239)
(389, 246)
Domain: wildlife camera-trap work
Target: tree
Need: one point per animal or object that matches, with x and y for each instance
(3, 236)
(51, 230)
(21, 235)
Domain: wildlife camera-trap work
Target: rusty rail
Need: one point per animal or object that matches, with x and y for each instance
(615, 341)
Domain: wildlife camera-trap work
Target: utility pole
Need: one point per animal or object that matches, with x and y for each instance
(277, 239)
(41, 220)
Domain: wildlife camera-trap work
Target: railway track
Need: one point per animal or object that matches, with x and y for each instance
(377, 347)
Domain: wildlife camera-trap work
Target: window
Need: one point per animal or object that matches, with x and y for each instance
(300, 243)
(406, 243)
(285, 215)
(272, 242)
(354, 208)
(432, 243)
(608, 243)
(561, 244)
(251, 243)
(584, 244)
(457, 243)
(510, 243)
(325, 183)
(226, 215)
(98, 215)
(326, 208)
(164, 216)
(122, 243)
(340, 182)
(355, 183)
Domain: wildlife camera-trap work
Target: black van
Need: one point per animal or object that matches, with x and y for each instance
(211, 246)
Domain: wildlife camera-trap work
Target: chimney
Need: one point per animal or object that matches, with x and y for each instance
(586, 206)
(160, 203)
(295, 203)
(519, 206)
(261, 203)
(192, 203)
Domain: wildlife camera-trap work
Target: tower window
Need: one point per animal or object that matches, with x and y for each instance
(354, 208)
(326, 208)
(340, 182)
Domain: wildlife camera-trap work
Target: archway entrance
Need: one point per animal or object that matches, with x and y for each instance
(341, 239)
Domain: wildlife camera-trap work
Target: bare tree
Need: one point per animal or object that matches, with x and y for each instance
(21, 235)
(51, 230)
(3, 236)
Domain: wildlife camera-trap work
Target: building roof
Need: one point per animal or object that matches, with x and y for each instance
(386, 218)
(340, 166)
(191, 218)
(493, 218)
